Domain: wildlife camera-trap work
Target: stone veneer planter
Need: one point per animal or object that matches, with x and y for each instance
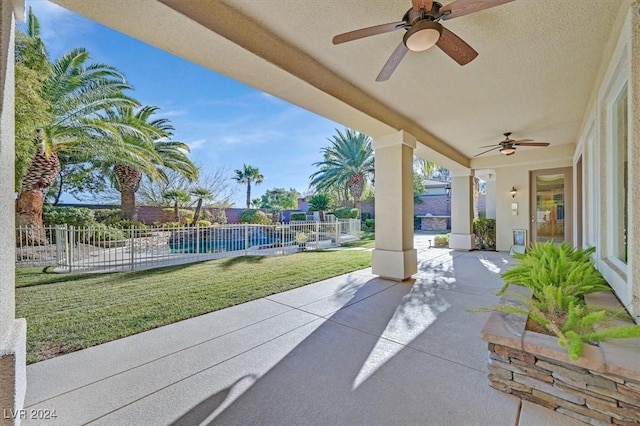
(602, 387)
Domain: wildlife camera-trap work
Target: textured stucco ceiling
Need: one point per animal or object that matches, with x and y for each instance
(538, 62)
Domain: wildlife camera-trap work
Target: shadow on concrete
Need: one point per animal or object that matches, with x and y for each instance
(207, 407)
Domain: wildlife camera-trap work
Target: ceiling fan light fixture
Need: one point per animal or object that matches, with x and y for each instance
(508, 150)
(422, 36)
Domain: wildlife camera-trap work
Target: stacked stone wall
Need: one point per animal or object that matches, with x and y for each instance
(589, 396)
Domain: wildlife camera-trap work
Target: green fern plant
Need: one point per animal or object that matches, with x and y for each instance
(558, 277)
(573, 326)
(548, 264)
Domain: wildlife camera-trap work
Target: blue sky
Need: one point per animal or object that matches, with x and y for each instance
(226, 123)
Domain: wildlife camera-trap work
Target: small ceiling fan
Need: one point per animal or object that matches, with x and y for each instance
(424, 31)
(508, 145)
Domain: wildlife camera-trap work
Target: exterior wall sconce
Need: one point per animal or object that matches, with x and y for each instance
(447, 190)
(513, 192)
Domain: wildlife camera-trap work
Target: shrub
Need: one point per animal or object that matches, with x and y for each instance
(365, 215)
(485, 230)
(417, 222)
(441, 240)
(203, 223)
(559, 276)
(370, 223)
(186, 215)
(301, 216)
(71, 216)
(106, 233)
(218, 216)
(128, 223)
(107, 216)
(168, 225)
(346, 213)
(548, 264)
(255, 216)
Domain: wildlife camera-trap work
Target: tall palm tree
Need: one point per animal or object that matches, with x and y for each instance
(348, 162)
(202, 194)
(247, 176)
(31, 111)
(78, 95)
(148, 153)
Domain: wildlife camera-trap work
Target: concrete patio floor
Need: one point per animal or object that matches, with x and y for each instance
(354, 349)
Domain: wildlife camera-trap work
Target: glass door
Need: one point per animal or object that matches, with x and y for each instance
(551, 205)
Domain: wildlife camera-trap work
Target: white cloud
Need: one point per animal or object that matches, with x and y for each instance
(172, 113)
(196, 144)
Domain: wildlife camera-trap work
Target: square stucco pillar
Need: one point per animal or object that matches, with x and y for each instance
(490, 198)
(394, 256)
(462, 237)
(12, 331)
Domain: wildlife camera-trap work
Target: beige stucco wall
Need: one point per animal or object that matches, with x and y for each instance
(622, 68)
(518, 177)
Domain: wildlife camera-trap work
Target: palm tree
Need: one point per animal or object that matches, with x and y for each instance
(319, 203)
(246, 176)
(202, 194)
(177, 197)
(148, 153)
(348, 162)
(78, 94)
(31, 111)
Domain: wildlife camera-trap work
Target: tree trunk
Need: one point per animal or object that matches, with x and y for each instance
(29, 215)
(128, 182)
(59, 193)
(321, 215)
(176, 211)
(128, 203)
(41, 174)
(196, 215)
(248, 194)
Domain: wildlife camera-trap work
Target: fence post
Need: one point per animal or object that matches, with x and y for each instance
(246, 239)
(338, 226)
(59, 242)
(282, 239)
(317, 235)
(197, 242)
(132, 248)
(71, 238)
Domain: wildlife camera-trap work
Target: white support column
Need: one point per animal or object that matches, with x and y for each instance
(13, 331)
(394, 256)
(462, 237)
(490, 198)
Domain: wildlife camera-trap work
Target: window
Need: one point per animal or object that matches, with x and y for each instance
(620, 182)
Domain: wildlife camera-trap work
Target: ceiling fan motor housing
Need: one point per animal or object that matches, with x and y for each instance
(411, 17)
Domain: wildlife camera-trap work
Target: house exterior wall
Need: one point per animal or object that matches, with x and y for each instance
(596, 151)
(518, 177)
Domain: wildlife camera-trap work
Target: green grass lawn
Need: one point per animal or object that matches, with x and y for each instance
(367, 240)
(66, 313)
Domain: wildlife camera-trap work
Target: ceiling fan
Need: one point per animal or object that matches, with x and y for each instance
(424, 31)
(508, 145)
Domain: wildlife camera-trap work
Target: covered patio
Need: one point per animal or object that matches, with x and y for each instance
(355, 349)
(566, 72)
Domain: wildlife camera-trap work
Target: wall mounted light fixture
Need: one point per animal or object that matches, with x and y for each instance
(447, 190)
(513, 192)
